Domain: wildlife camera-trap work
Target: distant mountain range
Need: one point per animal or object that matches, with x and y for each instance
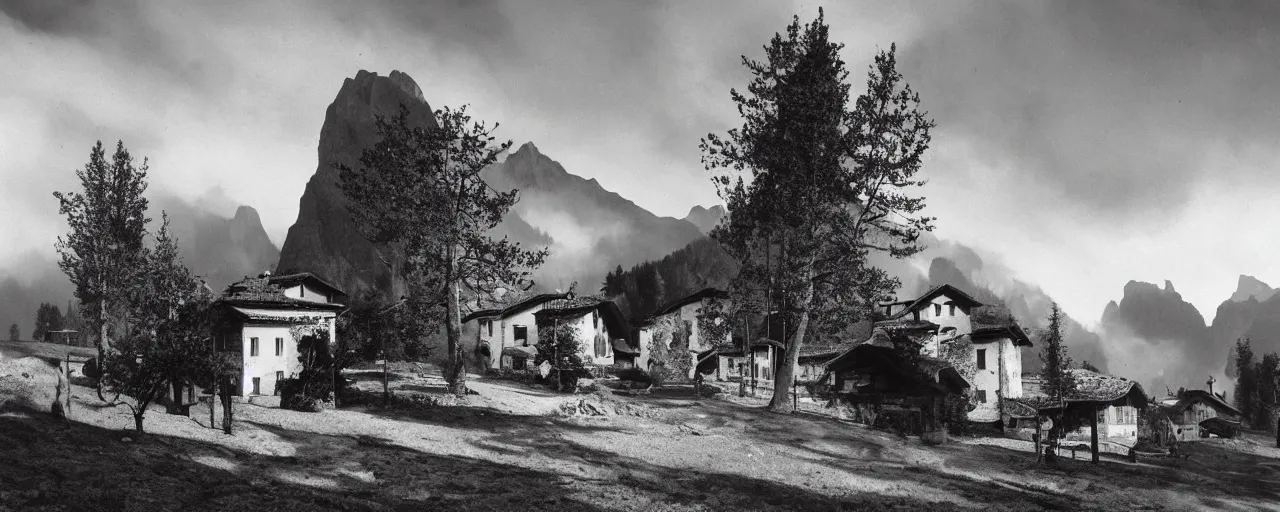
(705, 218)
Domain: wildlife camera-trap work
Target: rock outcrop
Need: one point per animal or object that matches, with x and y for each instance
(705, 218)
(324, 240)
(222, 250)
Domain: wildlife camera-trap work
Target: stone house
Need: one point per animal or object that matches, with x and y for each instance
(506, 337)
(680, 317)
(600, 326)
(1186, 413)
(1116, 423)
(259, 319)
(982, 342)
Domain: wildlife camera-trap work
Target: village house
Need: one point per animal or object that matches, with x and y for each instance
(878, 383)
(1188, 415)
(729, 362)
(1116, 423)
(1093, 395)
(600, 326)
(259, 318)
(506, 337)
(680, 316)
(945, 318)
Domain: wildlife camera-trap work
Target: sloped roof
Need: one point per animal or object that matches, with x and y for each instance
(303, 277)
(691, 298)
(957, 296)
(996, 322)
(1192, 396)
(280, 315)
(515, 307)
(260, 292)
(1097, 389)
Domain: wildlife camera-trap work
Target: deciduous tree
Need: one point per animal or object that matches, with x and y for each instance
(421, 189)
(14, 332)
(103, 251)
(813, 187)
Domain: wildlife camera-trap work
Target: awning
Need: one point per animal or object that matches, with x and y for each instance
(283, 315)
(520, 351)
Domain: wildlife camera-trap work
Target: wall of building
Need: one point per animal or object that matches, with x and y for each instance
(946, 318)
(587, 335)
(265, 365)
(306, 292)
(728, 366)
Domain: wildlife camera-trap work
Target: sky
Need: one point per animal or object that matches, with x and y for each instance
(1085, 143)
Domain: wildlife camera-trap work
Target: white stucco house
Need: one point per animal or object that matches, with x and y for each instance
(600, 326)
(259, 316)
(946, 315)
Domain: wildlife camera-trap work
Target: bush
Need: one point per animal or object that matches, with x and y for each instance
(299, 395)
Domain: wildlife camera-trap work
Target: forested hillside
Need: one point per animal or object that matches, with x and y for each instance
(645, 287)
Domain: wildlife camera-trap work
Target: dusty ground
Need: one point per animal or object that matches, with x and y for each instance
(511, 448)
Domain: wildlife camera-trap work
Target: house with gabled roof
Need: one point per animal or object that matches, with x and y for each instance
(258, 318)
(506, 336)
(601, 328)
(945, 318)
(680, 315)
(1190, 412)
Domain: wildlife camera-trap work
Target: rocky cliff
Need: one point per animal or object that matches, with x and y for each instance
(220, 249)
(324, 240)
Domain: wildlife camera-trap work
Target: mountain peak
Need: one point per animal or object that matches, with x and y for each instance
(705, 218)
(1250, 287)
(529, 148)
(247, 214)
(1168, 286)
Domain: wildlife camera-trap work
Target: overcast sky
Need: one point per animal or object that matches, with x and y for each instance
(1086, 143)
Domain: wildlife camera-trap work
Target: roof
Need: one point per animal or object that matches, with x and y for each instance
(937, 373)
(957, 296)
(279, 315)
(759, 343)
(303, 277)
(573, 307)
(515, 307)
(1093, 388)
(1191, 396)
(825, 353)
(995, 322)
(261, 292)
(704, 293)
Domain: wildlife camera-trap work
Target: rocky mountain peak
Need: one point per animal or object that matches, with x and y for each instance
(705, 218)
(1250, 287)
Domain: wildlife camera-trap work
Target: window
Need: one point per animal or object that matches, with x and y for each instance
(518, 363)
(952, 308)
(279, 377)
(888, 311)
(766, 373)
(279, 346)
(595, 319)
(937, 310)
(602, 346)
(490, 324)
(915, 315)
(253, 347)
(522, 335)
(982, 359)
(982, 395)
(302, 291)
(257, 385)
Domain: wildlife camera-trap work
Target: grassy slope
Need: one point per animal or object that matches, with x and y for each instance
(501, 452)
(16, 349)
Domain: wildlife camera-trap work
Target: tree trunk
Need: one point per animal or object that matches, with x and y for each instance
(137, 420)
(1093, 436)
(456, 374)
(785, 373)
(175, 406)
(102, 346)
(226, 407)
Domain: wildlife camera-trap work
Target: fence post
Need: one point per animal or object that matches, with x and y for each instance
(68, 371)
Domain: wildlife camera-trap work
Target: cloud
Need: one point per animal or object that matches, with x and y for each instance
(1110, 104)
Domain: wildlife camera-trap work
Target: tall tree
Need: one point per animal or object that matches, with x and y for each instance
(14, 332)
(1058, 382)
(103, 251)
(421, 189)
(1246, 393)
(1268, 395)
(169, 343)
(72, 320)
(813, 186)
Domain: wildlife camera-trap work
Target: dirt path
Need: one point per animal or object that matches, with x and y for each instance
(508, 448)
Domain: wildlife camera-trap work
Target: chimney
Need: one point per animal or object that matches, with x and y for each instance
(1210, 383)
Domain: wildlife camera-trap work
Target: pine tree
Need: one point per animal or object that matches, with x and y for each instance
(1246, 391)
(14, 332)
(1058, 382)
(103, 252)
(48, 319)
(422, 189)
(813, 187)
